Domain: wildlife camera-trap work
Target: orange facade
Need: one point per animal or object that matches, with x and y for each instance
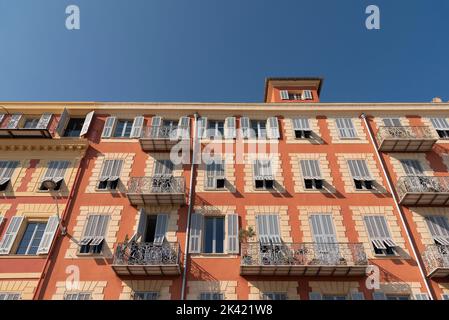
(345, 201)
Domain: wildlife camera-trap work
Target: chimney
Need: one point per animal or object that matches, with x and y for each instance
(437, 100)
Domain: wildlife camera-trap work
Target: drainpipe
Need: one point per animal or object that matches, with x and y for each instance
(189, 212)
(398, 207)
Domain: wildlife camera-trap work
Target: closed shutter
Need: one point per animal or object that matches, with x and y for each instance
(2, 116)
(306, 95)
(233, 233)
(263, 169)
(106, 171)
(116, 170)
(273, 128)
(6, 170)
(44, 121)
(357, 296)
(310, 169)
(87, 122)
(379, 296)
(392, 122)
(245, 127)
(412, 167)
(268, 228)
(49, 234)
(156, 127)
(315, 296)
(378, 232)
(161, 228)
(202, 127)
(440, 123)
(108, 127)
(95, 230)
(62, 122)
(56, 171)
(230, 128)
(421, 296)
(163, 168)
(346, 128)
(142, 225)
(10, 234)
(301, 124)
(183, 128)
(196, 228)
(14, 121)
(439, 229)
(359, 170)
(214, 171)
(283, 94)
(137, 128)
(1, 220)
(323, 228)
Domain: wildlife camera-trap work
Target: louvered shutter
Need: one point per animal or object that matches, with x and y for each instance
(230, 128)
(268, 228)
(62, 122)
(116, 169)
(106, 171)
(196, 228)
(245, 127)
(273, 128)
(440, 123)
(87, 122)
(233, 233)
(142, 225)
(379, 296)
(44, 121)
(202, 127)
(301, 124)
(357, 296)
(310, 169)
(315, 296)
(263, 169)
(2, 116)
(60, 171)
(108, 127)
(392, 122)
(161, 228)
(345, 128)
(6, 170)
(10, 234)
(445, 297)
(323, 228)
(14, 121)
(359, 170)
(306, 95)
(183, 128)
(412, 167)
(1, 220)
(51, 170)
(439, 229)
(421, 296)
(49, 234)
(210, 175)
(378, 232)
(262, 229)
(283, 94)
(163, 168)
(137, 128)
(156, 127)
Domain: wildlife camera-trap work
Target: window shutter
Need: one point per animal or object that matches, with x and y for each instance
(268, 228)
(392, 122)
(273, 128)
(379, 296)
(137, 128)
(10, 234)
(345, 128)
(56, 170)
(96, 225)
(106, 171)
(233, 233)
(116, 169)
(142, 225)
(323, 228)
(202, 127)
(6, 170)
(14, 121)
(310, 169)
(357, 296)
(183, 128)
(49, 234)
(87, 122)
(440, 123)
(359, 170)
(378, 232)
(44, 121)
(1, 220)
(306, 95)
(301, 124)
(421, 296)
(315, 296)
(284, 94)
(163, 168)
(439, 228)
(445, 297)
(245, 127)
(2, 116)
(51, 170)
(210, 175)
(156, 124)
(230, 128)
(108, 127)
(195, 232)
(161, 228)
(412, 167)
(262, 229)
(62, 122)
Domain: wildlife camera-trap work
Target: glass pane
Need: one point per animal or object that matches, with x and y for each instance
(31, 238)
(209, 235)
(219, 238)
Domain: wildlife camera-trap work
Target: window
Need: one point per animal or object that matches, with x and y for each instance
(284, 94)
(268, 229)
(360, 174)
(334, 297)
(110, 174)
(78, 296)
(163, 175)
(215, 175)
(6, 170)
(258, 129)
(146, 295)
(74, 127)
(9, 296)
(412, 167)
(397, 297)
(325, 238)
(441, 126)
(263, 174)
(30, 123)
(380, 235)
(156, 228)
(123, 128)
(211, 296)
(391, 122)
(302, 129)
(311, 174)
(274, 296)
(55, 172)
(214, 235)
(31, 238)
(346, 128)
(439, 229)
(215, 129)
(94, 234)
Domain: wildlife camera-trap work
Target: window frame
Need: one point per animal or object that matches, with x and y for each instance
(214, 234)
(33, 239)
(128, 125)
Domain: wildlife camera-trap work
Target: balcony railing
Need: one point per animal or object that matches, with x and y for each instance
(405, 139)
(304, 259)
(156, 190)
(423, 190)
(147, 259)
(436, 259)
(163, 138)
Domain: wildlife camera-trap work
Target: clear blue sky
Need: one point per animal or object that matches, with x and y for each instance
(222, 50)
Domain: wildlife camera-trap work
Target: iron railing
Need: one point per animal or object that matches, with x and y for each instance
(303, 254)
(147, 254)
(436, 256)
(166, 132)
(403, 132)
(156, 184)
(422, 184)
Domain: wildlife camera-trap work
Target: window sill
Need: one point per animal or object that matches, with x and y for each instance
(23, 256)
(120, 139)
(214, 255)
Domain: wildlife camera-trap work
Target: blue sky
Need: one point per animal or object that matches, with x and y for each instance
(222, 50)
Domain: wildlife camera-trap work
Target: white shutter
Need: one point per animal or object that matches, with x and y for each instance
(116, 169)
(357, 296)
(62, 122)
(268, 228)
(210, 175)
(49, 234)
(323, 228)
(283, 94)
(306, 95)
(10, 234)
(156, 124)
(44, 121)
(108, 127)
(359, 170)
(392, 122)
(310, 169)
(2, 116)
(421, 296)
(439, 228)
(142, 225)
(87, 122)
(245, 127)
(106, 170)
(230, 128)
(440, 123)
(196, 227)
(6, 170)
(14, 121)
(345, 128)
(51, 170)
(445, 297)
(233, 233)
(262, 229)
(379, 296)
(378, 232)
(137, 128)
(315, 296)
(273, 128)
(202, 127)
(163, 168)
(301, 124)
(161, 228)
(183, 128)
(412, 167)
(1, 220)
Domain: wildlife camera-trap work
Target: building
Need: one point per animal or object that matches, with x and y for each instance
(291, 198)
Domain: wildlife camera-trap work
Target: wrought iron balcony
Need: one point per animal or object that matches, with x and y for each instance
(423, 190)
(436, 259)
(156, 190)
(304, 259)
(163, 138)
(405, 139)
(140, 259)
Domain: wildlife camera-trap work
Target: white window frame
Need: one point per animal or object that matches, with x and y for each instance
(379, 234)
(346, 128)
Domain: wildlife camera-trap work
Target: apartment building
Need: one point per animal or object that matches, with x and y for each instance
(291, 199)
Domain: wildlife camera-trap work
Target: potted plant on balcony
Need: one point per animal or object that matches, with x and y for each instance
(244, 235)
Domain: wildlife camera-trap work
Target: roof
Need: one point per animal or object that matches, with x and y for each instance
(270, 79)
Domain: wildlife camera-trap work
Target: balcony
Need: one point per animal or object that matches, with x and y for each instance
(147, 259)
(163, 138)
(156, 190)
(423, 191)
(436, 260)
(304, 259)
(405, 139)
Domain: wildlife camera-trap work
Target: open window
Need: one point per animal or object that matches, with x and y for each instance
(312, 174)
(360, 174)
(55, 173)
(412, 167)
(441, 126)
(110, 174)
(302, 128)
(152, 228)
(215, 175)
(6, 170)
(211, 296)
(145, 295)
(94, 234)
(439, 229)
(380, 235)
(263, 175)
(73, 126)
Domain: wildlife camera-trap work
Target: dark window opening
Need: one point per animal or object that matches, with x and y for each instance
(74, 127)
(151, 228)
